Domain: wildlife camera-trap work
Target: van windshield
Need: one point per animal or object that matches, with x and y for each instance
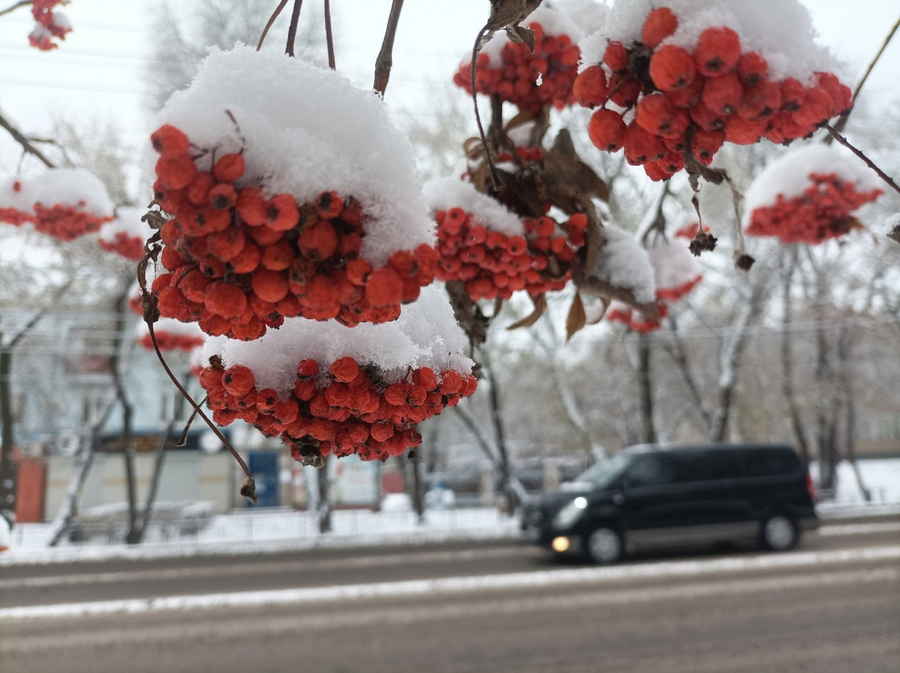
(603, 473)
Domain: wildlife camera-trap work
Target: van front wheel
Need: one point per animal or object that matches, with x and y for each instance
(604, 546)
(779, 533)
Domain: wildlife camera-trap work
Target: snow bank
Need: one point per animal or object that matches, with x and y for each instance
(307, 130)
(426, 335)
(74, 187)
(788, 175)
(447, 193)
(781, 30)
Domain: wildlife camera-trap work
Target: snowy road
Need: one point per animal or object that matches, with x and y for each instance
(832, 606)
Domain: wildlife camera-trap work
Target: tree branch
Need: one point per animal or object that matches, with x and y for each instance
(385, 60)
(871, 164)
(329, 36)
(270, 22)
(292, 30)
(14, 7)
(37, 317)
(26, 144)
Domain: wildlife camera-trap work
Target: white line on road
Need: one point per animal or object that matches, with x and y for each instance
(860, 529)
(453, 585)
(239, 627)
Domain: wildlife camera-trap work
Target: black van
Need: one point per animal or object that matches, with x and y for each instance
(665, 496)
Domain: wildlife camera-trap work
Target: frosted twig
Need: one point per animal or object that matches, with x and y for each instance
(871, 164)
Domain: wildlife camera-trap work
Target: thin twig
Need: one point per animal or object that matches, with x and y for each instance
(292, 31)
(26, 144)
(275, 14)
(385, 60)
(845, 117)
(183, 440)
(37, 317)
(871, 164)
(15, 6)
(329, 36)
(476, 48)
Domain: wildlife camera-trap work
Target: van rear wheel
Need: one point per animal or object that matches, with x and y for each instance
(779, 533)
(604, 546)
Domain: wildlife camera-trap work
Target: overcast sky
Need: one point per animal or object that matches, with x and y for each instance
(96, 74)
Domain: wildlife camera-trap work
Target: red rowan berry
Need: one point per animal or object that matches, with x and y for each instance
(305, 390)
(214, 325)
(265, 235)
(660, 24)
(222, 196)
(451, 382)
(707, 119)
(350, 245)
(624, 90)
(338, 395)
(815, 107)
(170, 141)
(345, 370)
(193, 286)
(289, 307)
(198, 190)
(752, 68)
(384, 287)
(211, 379)
(225, 300)
(656, 115)
(607, 130)
(238, 380)
(718, 51)
(382, 431)
(426, 378)
(170, 259)
(395, 394)
(282, 212)
(247, 260)
(689, 96)
(226, 245)
(792, 93)
(268, 285)
(841, 95)
(616, 57)
(706, 144)
(252, 206)
(279, 256)
(760, 102)
(175, 172)
(723, 94)
(266, 399)
(591, 88)
(672, 68)
(743, 132)
(358, 271)
(329, 205)
(641, 146)
(286, 411)
(229, 167)
(319, 241)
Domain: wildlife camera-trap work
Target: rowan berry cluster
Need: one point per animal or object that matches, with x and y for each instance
(50, 24)
(11, 214)
(530, 80)
(494, 265)
(634, 318)
(242, 261)
(823, 211)
(171, 341)
(66, 222)
(345, 408)
(684, 102)
(129, 247)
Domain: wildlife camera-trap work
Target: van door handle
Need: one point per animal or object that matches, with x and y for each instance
(618, 499)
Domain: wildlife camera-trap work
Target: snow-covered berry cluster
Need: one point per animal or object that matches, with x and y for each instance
(635, 319)
(125, 235)
(823, 211)
(493, 264)
(15, 207)
(809, 195)
(529, 79)
(339, 407)
(50, 23)
(681, 92)
(243, 260)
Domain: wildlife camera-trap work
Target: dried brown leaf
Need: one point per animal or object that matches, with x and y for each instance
(577, 318)
(506, 13)
(540, 307)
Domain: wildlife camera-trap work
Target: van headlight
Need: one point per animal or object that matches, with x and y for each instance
(568, 515)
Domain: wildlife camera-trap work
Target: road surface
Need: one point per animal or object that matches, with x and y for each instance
(833, 606)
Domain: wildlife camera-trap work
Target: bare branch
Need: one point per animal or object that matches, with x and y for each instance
(385, 60)
(15, 6)
(329, 36)
(871, 164)
(26, 144)
(292, 30)
(270, 22)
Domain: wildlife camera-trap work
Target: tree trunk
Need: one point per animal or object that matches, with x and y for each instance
(505, 476)
(845, 358)
(418, 491)
(787, 364)
(323, 504)
(7, 474)
(645, 385)
(825, 429)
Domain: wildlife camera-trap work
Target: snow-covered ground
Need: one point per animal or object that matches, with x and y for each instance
(284, 529)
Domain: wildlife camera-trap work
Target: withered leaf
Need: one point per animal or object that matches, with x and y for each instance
(540, 307)
(577, 318)
(570, 182)
(506, 13)
(895, 234)
(521, 35)
(248, 489)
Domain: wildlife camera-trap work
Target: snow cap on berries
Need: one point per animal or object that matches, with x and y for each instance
(126, 234)
(675, 268)
(75, 188)
(447, 193)
(426, 335)
(339, 139)
(625, 264)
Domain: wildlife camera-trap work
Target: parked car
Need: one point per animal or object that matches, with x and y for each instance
(650, 496)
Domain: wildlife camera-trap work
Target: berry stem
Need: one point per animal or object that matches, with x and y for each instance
(871, 164)
(329, 36)
(26, 144)
(15, 6)
(190, 421)
(845, 117)
(275, 15)
(385, 60)
(292, 30)
(474, 72)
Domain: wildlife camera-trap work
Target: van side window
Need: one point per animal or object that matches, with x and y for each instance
(713, 465)
(650, 470)
(771, 462)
